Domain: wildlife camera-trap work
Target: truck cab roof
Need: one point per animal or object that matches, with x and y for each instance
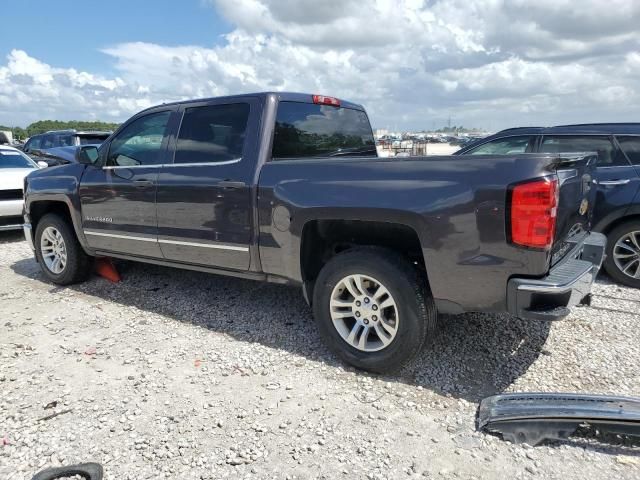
(280, 96)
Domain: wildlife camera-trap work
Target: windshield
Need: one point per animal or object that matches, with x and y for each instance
(310, 130)
(15, 159)
(92, 139)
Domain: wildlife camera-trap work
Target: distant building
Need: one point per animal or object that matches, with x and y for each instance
(381, 132)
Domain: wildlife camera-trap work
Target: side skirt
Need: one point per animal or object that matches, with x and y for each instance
(263, 277)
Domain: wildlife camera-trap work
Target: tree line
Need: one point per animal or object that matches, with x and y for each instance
(42, 126)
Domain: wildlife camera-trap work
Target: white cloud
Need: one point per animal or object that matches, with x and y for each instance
(411, 62)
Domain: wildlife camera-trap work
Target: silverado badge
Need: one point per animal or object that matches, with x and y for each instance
(99, 219)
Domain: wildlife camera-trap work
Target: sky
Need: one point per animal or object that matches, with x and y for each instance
(413, 64)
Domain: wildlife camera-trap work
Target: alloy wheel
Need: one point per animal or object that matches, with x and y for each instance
(364, 313)
(626, 254)
(53, 250)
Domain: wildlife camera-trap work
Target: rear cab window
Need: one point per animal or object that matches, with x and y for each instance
(308, 130)
(505, 146)
(608, 154)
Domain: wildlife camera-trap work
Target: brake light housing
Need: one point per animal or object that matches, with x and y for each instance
(533, 213)
(324, 100)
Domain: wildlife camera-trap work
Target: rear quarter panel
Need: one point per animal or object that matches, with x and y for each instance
(456, 205)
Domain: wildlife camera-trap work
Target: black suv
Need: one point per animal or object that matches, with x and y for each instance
(45, 146)
(617, 209)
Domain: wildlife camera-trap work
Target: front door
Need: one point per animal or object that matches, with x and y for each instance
(204, 197)
(118, 196)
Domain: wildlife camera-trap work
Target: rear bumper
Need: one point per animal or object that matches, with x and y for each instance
(566, 285)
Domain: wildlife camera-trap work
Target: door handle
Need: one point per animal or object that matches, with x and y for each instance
(611, 183)
(231, 185)
(142, 183)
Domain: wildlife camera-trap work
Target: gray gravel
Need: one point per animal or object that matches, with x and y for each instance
(182, 375)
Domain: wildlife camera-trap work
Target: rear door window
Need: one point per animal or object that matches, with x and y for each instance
(307, 130)
(212, 133)
(608, 154)
(631, 147)
(49, 141)
(505, 146)
(64, 141)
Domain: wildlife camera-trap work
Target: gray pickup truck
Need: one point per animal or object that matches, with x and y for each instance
(287, 188)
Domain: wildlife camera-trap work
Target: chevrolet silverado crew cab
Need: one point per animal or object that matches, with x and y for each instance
(287, 188)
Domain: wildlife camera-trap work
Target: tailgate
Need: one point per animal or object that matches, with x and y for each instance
(576, 175)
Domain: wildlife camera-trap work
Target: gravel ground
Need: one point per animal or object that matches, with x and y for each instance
(182, 375)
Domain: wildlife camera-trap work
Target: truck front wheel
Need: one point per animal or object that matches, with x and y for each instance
(59, 253)
(373, 308)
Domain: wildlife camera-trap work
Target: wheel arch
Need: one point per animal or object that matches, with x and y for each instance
(618, 220)
(38, 208)
(322, 239)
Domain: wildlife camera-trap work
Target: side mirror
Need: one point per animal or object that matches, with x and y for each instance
(42, 164)
(87, 154)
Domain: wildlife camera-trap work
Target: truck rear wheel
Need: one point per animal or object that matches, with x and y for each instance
(373, 308)
(623, 254)
(61, 258)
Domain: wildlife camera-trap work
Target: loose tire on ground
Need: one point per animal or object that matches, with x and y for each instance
(614, 250)
(78, 265)
(407, 287)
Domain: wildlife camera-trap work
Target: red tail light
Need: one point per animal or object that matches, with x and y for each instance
(534, 207)
(322, 100)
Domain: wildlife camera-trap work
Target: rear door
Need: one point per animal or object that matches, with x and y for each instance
(617, 179)
(118, 197)
(204, 197)
(630, 146)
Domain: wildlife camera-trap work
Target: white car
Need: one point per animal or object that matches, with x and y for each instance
(14, 166)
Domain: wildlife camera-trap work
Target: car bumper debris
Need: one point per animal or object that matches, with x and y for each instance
(533, 418)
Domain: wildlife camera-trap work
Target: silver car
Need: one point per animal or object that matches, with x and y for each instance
(14, 166)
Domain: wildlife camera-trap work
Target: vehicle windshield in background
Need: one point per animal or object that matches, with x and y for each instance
(10, 159)
(310, 130)
(92, 139)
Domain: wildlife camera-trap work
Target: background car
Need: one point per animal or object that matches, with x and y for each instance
(617, 209)
(46, 146)
(14, 166)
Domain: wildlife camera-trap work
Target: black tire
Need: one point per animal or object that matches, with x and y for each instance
(90, 471)
(609, 264)
(79, 264)
(408, 287)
